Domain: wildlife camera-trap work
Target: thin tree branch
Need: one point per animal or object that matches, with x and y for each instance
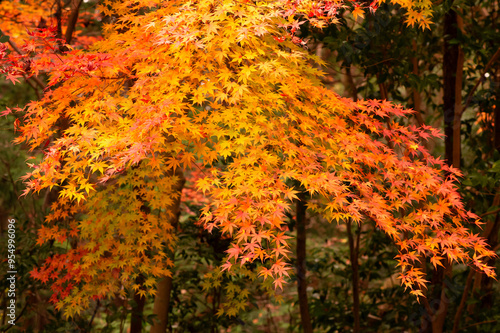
(18, 317)
(481, 79)
(480, 323)
(12, 44)
(28, 81)
(93, 315)
(490, 213)
(463, 300)
(18, 50)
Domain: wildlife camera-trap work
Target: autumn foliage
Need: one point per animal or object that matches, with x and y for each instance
(226, 89)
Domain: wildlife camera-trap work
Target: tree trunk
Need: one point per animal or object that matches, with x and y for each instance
(436, 303)
(452, 87)
(139, 302)
(164, 287)
(354, 253)
(137, 309)
(453, 58)
(417, 100)
(497, 108)
(350, 86)
(301, 264)
(161, 305)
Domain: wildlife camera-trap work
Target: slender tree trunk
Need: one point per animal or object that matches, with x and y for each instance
(436, 303)
(72, 20)
(417, 100)
(349, 84)
(452, 87)
(497, 109)
(301, 264)
(139, 302)
(440, 315)
(354, 254)
(497, 125)
(161, 305)
(450, 58)
(463, 300)
(137, 309)
(58, 16)
(457, 120)
(453, 58)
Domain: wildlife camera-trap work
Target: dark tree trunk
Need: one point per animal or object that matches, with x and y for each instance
(137, 309)
(497, 108)
(437, 302)
(452, 87)
(450, 58)
(301, 264)
(354, 254)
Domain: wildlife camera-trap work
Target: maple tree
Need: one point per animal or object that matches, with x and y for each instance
(223, 87)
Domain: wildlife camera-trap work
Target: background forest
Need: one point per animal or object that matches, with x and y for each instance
(449, 74)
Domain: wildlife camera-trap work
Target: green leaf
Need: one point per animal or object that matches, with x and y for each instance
(495, 167)
(4, 39)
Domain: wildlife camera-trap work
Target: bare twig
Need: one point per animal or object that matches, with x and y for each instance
(481, 79)
(18, 317)
(490, 213)
(480, 323)
(93, 315)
